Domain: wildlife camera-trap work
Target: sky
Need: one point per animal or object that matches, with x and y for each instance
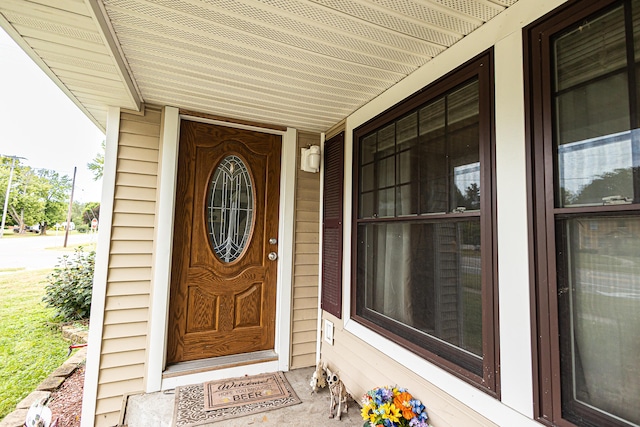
(39, 122)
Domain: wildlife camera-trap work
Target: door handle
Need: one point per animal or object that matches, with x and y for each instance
(272, 256)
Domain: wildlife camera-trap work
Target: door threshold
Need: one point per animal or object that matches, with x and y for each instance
(217, 363)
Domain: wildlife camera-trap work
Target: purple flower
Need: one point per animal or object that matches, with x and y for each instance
(415, 422)
(386, 394)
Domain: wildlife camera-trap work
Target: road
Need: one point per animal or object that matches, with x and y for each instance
(32, 253)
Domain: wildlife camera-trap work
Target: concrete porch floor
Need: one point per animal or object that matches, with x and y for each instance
(156, 409)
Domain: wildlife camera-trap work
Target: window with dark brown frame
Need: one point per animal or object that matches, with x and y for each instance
(583, 72)
(423, 228)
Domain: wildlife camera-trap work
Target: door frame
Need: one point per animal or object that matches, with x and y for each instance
(160, 289)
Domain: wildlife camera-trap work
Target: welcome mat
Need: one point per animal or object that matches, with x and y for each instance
(230, 398)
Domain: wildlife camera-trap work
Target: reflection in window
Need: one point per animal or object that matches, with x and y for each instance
(597, 171)
(602, 267)
(596, 151)
(467, 182)
(230, 208)
(426, 276)
(425, 162)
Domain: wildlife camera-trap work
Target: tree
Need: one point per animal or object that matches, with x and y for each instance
(91, 211)
(54, 192)
(37, 196)
(77, 210)
(472, 196)
(96, 166)
(24, 205)
(618, 182)
(470, 200)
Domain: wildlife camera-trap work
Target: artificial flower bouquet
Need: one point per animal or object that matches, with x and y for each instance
(392, 407)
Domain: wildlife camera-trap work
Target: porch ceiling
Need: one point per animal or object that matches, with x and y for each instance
(300, 63)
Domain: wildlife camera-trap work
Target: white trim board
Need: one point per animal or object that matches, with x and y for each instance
(159, 316)
(92, 371)
(320, 248)
(164, 241)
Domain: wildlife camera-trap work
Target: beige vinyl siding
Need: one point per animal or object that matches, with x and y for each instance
(305, 261)
(358, 360)
(124, 336)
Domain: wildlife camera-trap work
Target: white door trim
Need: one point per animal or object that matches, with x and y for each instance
(163, 250)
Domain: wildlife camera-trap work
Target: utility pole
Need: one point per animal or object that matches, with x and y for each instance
(73, 186)
(6, 197)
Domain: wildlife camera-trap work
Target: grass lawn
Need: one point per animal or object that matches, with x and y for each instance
(86, 247)
(29, 349)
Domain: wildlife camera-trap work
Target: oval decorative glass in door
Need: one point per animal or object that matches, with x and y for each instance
(230, 208)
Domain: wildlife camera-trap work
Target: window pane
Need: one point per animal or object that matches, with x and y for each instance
(386, 202)
(386, 141)
(426, 276)
(597, 171)
(407, 162)
(407, 131)
(433, 174)
(601, 314)
(462, 107)
(368, 148)
(597, 109)
(591, 50)
(464, 148)
(366, 205)
(367, 178)
(404, 199)
(408, 185)
(635, 9)
(466, 180)
(229, 211)
(386, 172)
(450, 143)
(595, 147)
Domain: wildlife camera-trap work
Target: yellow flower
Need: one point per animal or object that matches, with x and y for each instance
(390, 412)
(367, 412)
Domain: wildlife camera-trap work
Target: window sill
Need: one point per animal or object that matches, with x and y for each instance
(481, 402)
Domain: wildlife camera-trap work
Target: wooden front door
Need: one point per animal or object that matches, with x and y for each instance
(223, 284)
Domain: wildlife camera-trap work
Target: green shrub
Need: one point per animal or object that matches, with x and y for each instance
(69, 287)
(82, 228)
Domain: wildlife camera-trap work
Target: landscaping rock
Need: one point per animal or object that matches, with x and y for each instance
(15, 419)
(74, 334)
(51, 383)
(35, 396)
(64, 370)
(78, 358)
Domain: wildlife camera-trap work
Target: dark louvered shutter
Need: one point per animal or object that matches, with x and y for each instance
(332, 226)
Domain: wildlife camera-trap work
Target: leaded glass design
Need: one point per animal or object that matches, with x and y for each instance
(230, 208)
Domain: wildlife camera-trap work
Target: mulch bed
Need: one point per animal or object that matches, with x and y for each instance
(66, 402)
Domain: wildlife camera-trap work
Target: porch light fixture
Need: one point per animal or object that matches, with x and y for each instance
(310, 159)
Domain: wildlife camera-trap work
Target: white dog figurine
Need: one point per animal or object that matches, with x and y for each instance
(319, 378)
(338, 394)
